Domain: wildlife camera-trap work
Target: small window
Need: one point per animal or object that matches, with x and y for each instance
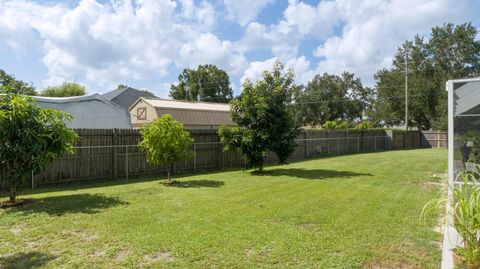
(141, 113)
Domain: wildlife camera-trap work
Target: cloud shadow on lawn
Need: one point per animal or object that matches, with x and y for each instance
(318, 174)
(76, 203)
(33, 259)
(197, 184)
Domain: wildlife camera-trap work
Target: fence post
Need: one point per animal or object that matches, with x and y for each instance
(314, 148)
(338, 145)
(194, 157)
(375, 143)
(126, 162)
(438, 138)
(358, 144)
(114, 154)
(33, 183)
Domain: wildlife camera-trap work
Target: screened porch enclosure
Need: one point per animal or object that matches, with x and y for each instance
(464, 125)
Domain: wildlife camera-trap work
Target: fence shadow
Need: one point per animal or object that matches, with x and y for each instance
(311, 173)
(197, 184)
(75, 203)
(33, 259)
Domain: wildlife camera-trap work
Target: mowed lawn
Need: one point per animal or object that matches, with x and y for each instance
(356, 211)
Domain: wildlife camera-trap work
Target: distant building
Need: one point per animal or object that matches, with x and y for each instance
(90, 111)
(125, 97)
(193, 115)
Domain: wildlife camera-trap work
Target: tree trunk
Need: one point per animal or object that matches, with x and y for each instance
(13, 194)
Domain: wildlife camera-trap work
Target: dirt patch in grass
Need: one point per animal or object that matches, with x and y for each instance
(122, 254)
(162, 256)
(387, 265)
(84, 236)
(307, 226)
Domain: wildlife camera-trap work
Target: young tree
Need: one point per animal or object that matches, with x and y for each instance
(65, 90)
(15, 85)
(30, 138)
(266, 119)
(165, 141)
(206, 83)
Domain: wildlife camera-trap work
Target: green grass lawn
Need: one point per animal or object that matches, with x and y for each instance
(357, 211)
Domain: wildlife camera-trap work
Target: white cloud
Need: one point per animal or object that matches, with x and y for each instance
(300, 66)
(101, 44)
(374, 29)
(245, 11)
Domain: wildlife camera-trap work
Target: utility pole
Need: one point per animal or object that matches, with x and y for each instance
(200, 91)
(406, 89)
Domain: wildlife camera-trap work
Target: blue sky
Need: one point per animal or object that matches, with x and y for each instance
(147, 43)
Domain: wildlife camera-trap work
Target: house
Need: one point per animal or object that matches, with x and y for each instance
(90, 111)
(193, 115)
(125, 97)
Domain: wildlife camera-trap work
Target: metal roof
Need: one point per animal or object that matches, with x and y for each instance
(91, 111)
(176, 104)
(125, 97)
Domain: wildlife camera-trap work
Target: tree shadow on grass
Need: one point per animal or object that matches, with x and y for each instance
(197, 184)
(33, 259)
(311, 173)
(76, 203)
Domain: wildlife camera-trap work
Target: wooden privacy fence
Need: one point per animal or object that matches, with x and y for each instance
(113, 153)
(434, 139)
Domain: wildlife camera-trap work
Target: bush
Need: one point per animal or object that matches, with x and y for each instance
(365, 125)
(335, 124)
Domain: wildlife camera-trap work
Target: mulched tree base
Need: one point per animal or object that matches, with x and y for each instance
(17, 203)
(169, 182)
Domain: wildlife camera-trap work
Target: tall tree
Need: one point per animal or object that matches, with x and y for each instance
(452, 52)
(66, 89)
(206, 83)
(30, 138)
(330, 97)
(266, 119)
(15, 85)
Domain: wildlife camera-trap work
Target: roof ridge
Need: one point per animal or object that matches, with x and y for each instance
(186, 101)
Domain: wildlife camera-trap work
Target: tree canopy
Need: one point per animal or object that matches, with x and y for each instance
(30, 138)
(330, 97)
(66, 89)
(452, 52)
(206, 83)
(14, 85)
(166, 141)
(266, 119)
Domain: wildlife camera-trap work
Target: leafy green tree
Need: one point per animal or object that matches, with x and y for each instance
(266, 119)
(452, 52)
(330, 97)
(65, 90)
(206, 83)
(15, 85)
(30, 138)
(365, 125)
(165, 141)
(336, 124)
